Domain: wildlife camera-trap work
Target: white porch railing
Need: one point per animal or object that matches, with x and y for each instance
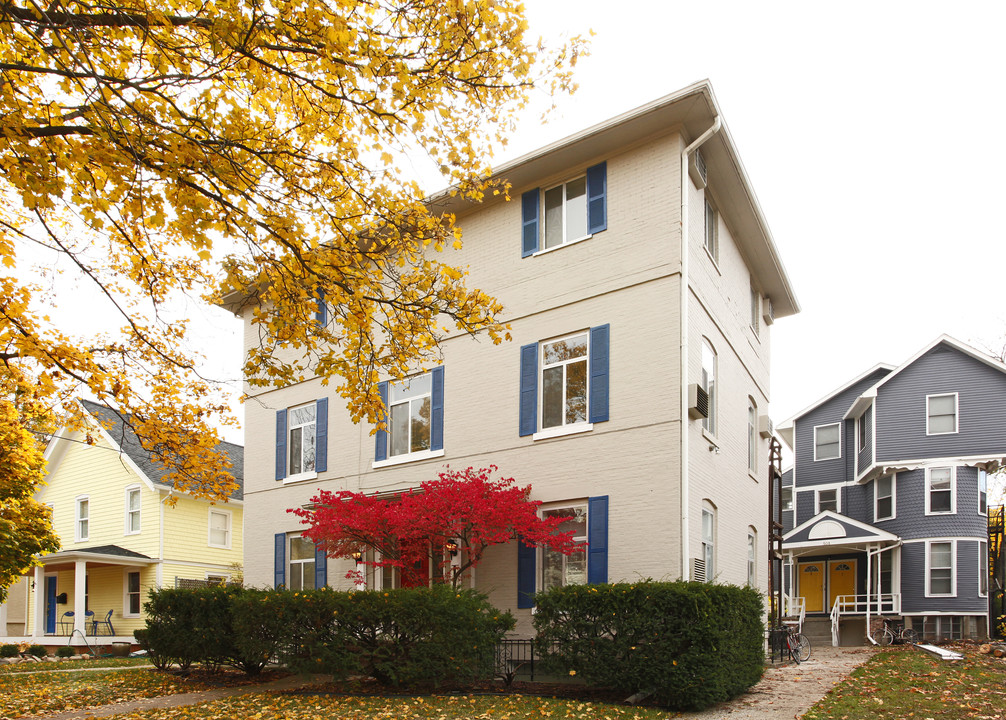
(795, 607)
(884, 604)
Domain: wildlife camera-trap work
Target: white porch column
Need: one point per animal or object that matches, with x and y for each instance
(38, 616)
(79, 590)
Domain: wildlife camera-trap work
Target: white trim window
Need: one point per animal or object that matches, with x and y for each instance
(983, 568)
(983, 492)
(300, 570)
(219, 529)
(709, 539)
(752, 436)
(133, 502)
(558, 570)
(752, 557)
(132, 596)
(302, 439)
(941, 559)
(884, 497)
(217, 579)
(828, 499)
(711, 230)
(83, 515)
(941, 414)
(708, 382)
(787, 499)
(755, 311)
(941, 491)
(861, 425)
(564, 381)
(410, 402)
(565, 208)
(827, 441)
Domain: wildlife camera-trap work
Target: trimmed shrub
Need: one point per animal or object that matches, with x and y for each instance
(688, 645)
(65, 651)
(186, 626)
(8, 650)
(37, 650)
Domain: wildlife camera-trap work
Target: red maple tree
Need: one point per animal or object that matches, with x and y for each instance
(447, 523)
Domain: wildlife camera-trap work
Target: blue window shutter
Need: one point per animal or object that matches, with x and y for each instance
(597, 198)
(599, 342)
(279, 561)
(280, 444)
(321, 313)
(321, 436)
(529, 222)
(381, 439)
(597, 539)
(320, 568)
(437, 410)
(528, 389)
(525, 574)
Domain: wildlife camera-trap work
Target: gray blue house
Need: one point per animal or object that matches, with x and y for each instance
(885, 507)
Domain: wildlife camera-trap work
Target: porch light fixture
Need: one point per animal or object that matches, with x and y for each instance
(452, 547)
(358, 556)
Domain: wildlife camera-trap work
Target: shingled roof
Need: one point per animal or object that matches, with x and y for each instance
(122, 434)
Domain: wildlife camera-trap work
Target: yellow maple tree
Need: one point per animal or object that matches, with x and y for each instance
(248, 152)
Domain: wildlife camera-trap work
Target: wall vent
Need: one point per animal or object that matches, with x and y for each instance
(698, 402)
(697, 169)
(698, 570)
(768, 313)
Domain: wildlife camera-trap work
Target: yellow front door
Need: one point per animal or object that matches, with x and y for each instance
(812, 585)
(841, 579)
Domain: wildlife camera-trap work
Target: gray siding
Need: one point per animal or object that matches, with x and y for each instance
(901, 408)
(865, 456)
(911, 522)
(913, 582)
(811, 472)
(857, 502)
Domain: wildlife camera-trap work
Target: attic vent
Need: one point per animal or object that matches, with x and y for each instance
(698, 402)
(768, 313)
(697, 169)
(698, 570)
(765, 426)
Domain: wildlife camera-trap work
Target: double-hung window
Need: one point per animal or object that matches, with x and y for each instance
(414, 419)
(133, 499)
(755, 311)
(940, 491)
(709, 541)
(752, 555)
(787, 499)
(983, 492)
(83, 518)
(564, 384)
(131, 607)
(941, 414)
(752, 436)
(828, 441)
(828, 499)
(302, 558)
(983, 568)
(302, 441)
(708, 383)
(861, 426)
(884, 498)
(565, 213)
(711, 230)
(940, 568)
(559, 570)
(219, 529)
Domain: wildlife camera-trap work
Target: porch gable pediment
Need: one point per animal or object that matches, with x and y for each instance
(832, 528)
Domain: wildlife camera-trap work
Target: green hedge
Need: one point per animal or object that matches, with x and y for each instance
(688, 645)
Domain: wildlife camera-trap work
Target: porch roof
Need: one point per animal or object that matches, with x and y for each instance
(96, 556)
(831, 530)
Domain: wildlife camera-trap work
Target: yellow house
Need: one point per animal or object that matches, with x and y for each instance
(119, 539)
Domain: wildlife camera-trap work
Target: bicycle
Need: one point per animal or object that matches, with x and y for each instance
(798, 645)
(892, 633)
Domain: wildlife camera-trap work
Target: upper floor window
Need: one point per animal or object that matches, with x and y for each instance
(711, 230)
(828, 499)
(755, 310)
(559, 570)
(708, 382)
(409, 405)
(303, 438)
(861, 426)
(828, 441)
(983, 492)
(884, 500)
(564, 384)
(302, 441)
(787, 499)
(940, 575)
(940, 491)
(83, 518)
(752, 436)
(220, 529)
(133, 498)
(565, 213)
(941, 417)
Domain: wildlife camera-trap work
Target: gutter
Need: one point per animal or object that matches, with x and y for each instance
(683, 339)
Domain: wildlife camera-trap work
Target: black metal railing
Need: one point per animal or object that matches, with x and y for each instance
(514, 658)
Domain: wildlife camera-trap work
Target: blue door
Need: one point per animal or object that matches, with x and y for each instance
(50, 604)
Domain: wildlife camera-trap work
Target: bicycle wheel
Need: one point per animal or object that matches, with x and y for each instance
(910, 636)
(885, 637)
(803, 647)
(793, 646)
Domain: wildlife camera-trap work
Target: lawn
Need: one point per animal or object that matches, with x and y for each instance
(73, 665)
(906, 682)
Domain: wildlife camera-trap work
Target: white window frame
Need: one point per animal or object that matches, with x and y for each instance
(788, 490)
(566, 239)
(410, 454)
(983, 568)
(817, 499)
(983, 492)
(132, 490)
(226, 545)
(752, 435)
(752, 564)
(584, 506)
(709, 368)
(710, 229)
(957, 413)
(953, 491)
(708, 535)
(755, 311)
(290, 427)
(218, 578)
(81, 522)
(861, 432)
(876, 498)
(822, 427)
(953, 568)
(564, 428)
(304, 561)
(126, 594)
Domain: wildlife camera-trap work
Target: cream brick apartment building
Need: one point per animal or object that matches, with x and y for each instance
(633, 397)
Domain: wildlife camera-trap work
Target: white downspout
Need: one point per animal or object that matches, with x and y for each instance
(683, 345)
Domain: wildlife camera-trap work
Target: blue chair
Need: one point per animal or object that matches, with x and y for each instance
(106, 623)
(66, 623)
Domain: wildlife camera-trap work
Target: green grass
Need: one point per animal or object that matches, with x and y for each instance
(72, 665)
(909, 683)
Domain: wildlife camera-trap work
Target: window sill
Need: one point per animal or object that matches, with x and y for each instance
(753, 476)
(560, 247)
(716, 265)
(410, 457)
(950, 512)
(130, 615)
(563, 430)
(711, 439)
(218, 547)
(300, 477)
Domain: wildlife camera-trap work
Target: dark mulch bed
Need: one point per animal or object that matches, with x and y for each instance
(227, 677)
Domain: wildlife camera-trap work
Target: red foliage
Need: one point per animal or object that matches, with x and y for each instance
(465, 507)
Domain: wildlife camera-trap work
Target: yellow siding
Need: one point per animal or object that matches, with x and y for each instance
(186, 536)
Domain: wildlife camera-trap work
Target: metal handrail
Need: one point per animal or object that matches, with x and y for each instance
(884, 604)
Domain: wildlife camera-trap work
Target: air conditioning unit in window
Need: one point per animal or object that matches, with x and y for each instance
(765, 426)
(698, 570)
(698, 402)
(767, 312)
(697, 169)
